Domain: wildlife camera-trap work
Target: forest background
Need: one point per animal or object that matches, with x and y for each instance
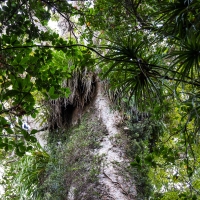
(146, 52)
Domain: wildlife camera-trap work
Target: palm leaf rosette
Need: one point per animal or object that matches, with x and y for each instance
(178, 17)
(132, 71)
(185, 60)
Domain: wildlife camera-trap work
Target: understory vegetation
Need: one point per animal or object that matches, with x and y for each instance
(66, 167)
(147, 56)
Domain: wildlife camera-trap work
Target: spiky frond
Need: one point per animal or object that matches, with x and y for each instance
(179, 16)
(187, 59)
(133, 71)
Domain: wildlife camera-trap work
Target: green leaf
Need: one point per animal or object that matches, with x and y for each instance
(137, 159)
(194, 197)
(136, 164)
(33, 139)
(2, 145)
(54, 96)
(51, 91)
(22, 148)
(190, 171)
(29, 148)
(3, 121)
(67, 92)
(34, 131)
(33, 114)
(12, 93)
(26, 135)
(5, 38)
(148, 159)
(18, 152)
(9, 130)
(6, 147)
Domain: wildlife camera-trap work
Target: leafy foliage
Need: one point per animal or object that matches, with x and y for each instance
(61, 172)
(147, 51)
(151, 67)
(23, 177)
(25, 68)
(73, 169)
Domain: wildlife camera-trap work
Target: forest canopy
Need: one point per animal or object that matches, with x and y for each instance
(147, 51)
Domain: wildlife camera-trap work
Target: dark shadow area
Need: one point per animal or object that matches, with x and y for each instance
(67, 111)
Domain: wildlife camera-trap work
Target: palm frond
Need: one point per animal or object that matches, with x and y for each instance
(186, 61)
(129, 68)
(178, 17)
